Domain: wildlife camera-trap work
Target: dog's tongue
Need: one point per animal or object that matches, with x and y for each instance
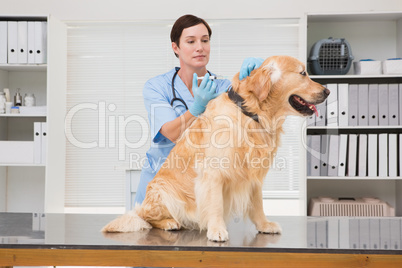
(312, 107)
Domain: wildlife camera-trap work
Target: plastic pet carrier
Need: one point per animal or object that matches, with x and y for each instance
(330, 57)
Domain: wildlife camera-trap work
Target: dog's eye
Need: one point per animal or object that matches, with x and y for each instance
(303, 73)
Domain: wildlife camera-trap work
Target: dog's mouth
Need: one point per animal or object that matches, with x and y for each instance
(302, 106)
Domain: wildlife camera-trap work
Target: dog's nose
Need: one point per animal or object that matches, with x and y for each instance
(327, 91)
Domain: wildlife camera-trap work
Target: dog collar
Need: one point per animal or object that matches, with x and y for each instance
(239, 101)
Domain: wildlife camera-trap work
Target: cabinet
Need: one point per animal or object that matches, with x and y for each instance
(375, 36)
(27, 185)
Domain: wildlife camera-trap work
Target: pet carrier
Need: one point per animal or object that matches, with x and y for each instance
(330, 57)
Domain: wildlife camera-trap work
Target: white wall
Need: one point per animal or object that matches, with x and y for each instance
(208, 9)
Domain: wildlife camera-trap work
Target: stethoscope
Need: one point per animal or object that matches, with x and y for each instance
(174, 93)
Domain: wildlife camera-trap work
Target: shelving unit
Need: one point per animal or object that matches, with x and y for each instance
(25, 186)
(371, 35)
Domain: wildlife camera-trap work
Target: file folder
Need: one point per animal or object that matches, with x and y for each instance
(321, 119)
(392, 155)
(363, 105)
(373, 105)
(333, 155)
(343, 115)
(385, 234)
(37, 142)
(383, 104)
(311, 120)
(3, 42)
(352, 155)
(400, 155)
(314, 154)
(353, 104)
(375, 237)
(400, 105)
(343, 149)
(31, 42)
(40, 41)
(332, 106)
(324, 155)
(362, 155)
(383, 155)
(44, 142)
(12, 35)
(372, 155)
(393, 105)
(22, 42)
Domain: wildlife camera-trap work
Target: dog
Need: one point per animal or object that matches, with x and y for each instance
(217, 167)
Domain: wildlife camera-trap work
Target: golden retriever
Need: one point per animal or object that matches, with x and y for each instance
(217, 168)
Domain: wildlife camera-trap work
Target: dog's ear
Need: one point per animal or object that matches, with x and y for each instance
(263, 79)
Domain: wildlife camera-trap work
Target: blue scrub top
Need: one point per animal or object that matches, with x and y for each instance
(158, 94)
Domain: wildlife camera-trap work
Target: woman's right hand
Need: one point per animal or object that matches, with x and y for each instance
(202, 94)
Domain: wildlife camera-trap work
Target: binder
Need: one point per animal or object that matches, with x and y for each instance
(37, 142)
(343, 115)
(354, 233)
(395, 225)
(321, 119)
(333, 155)
(343, 149)
(22, 41)
(311, 120)
(373, 104)
(372, 155)
(314, 154)
(392, 155)
(400, 155)
(375, 237)
(31, 42)
(363, 105)
(40, 42)
(393, 105)
(12, 36)
(3, 42)
(400, 105)
(383, 155)
(353, 104)
(362, 155)
(332, 106)
(324, 155)
(44, 142)
(364, 233)
(352, 155)
(385, 234)
(383, 104)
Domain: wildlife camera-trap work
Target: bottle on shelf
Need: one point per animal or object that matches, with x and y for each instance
(18, 98)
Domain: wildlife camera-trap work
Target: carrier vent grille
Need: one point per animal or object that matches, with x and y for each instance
(359, 207)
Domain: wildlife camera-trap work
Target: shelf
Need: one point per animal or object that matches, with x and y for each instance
(21, 165)
(24, 67)
(353, 127)
(352, 16)
(354, 178)
(355, 76)
(22, 115)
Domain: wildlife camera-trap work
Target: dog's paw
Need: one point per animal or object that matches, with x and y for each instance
(126, 223)
(171, 225)
(269, 227)
(218, 234)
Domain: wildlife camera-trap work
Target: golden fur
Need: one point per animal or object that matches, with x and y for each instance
(218, 166)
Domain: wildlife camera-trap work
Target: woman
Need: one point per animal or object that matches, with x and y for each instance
(175, 99)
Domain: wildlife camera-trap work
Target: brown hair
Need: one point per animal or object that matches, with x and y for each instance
(184, 22)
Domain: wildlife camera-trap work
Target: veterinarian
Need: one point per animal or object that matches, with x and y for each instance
(175, 99)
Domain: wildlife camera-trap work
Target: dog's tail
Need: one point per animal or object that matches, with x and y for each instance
(129, 222)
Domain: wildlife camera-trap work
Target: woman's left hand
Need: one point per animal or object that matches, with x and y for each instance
(249, 64)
